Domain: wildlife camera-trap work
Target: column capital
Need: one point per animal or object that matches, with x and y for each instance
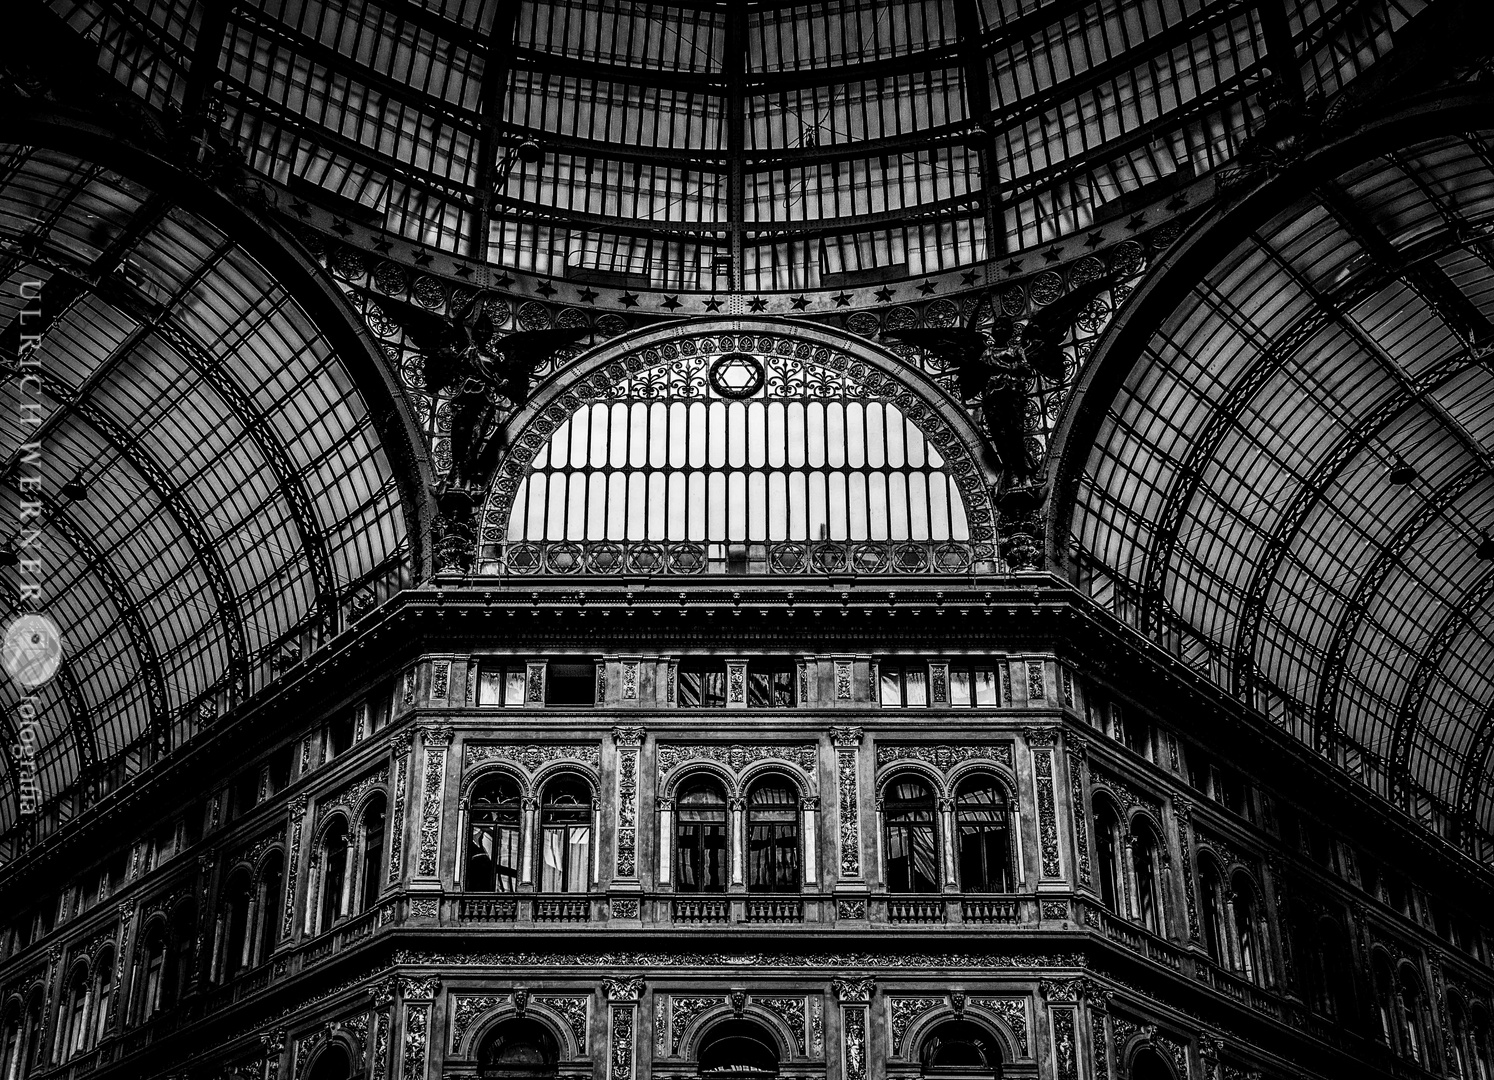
(433, 735)
(846, 738)
(627, 736)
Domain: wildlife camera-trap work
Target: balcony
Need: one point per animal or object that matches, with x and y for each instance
(562, 909)
(915, 910)
(775, 911)
(991, 910)
(475, 909)
(715, 910)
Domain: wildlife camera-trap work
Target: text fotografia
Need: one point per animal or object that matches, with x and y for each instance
(32, 648)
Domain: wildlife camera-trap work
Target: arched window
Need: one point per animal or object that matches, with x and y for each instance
(1146, 857)
(1212, 910)
(103, 994)
(981, 825)
(233, 925)
(182, 955)
(1150, 1065)
(271, 898)
(11, 1040)
(333, 1063)
(733, 457)
(565, 836)
(960, 1048)
(493, 847)
(1478, 1036)
(739, 1050)
(1458, 1042)
(333, 892)
(73, 1023)
(1247, 933)
(373, 853)
(150, 972)
(1409, 1007)
(31, 1037)
(700, 838)
(1384, 985)
(773, 836)
(912, 843)
(1108, 850)
(518, 1048)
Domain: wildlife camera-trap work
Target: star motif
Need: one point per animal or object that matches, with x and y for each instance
(628, 299)
(545, 289)
(1013, 267)
(464, 272)
(969, 277)
(1136, 222)
(423, 259)
(1178, 201)
(503, 282)
(587, 296)
(713, 304)
(883, 296)
(800, 302)
(757, 303)
(670, 303)
(1051, 255)
(383, 247)
(842, 299)
(300, 209)
(340, 227)
(927, 287)
(1095, 239)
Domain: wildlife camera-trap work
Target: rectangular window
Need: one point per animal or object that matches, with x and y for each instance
(972, 683)
(502, 684)
(569, 682)
(770, 685)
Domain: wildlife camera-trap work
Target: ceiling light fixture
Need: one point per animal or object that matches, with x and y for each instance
(1401, 473)
(75, 489)
(1485, 549)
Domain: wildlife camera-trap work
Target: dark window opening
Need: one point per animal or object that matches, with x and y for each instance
(493, 837)
(912, 847)
(571, 683)
(700, 838)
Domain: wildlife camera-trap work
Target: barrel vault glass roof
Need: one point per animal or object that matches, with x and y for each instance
(748, 144)
(1293, 483)
(234, 493)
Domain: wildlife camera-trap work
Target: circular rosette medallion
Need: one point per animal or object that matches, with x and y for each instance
(737, 376)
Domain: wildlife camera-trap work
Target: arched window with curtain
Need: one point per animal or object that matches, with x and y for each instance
(700, 847)
(73, 1020)
(1213, 912)
(982, 829)
(271, 898)
(150, 972)
(1108, 855)
(1146, 859)
(1409, 1004)
(233, 924)
(1384, 989)
(332, 891)
(31, 1035)
(773, 836)
(372, 829)
(1244, 914)
(1458, 1043)
(1479, 1044)
(493, 841)
(565, 835)
(103, 995)
(738, 1050)
(911, 836)
(959, 1048)
(11, 1042)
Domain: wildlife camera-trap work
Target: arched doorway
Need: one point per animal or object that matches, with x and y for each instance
(518, 1048)
(740, 1050)
(1147, 1064)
